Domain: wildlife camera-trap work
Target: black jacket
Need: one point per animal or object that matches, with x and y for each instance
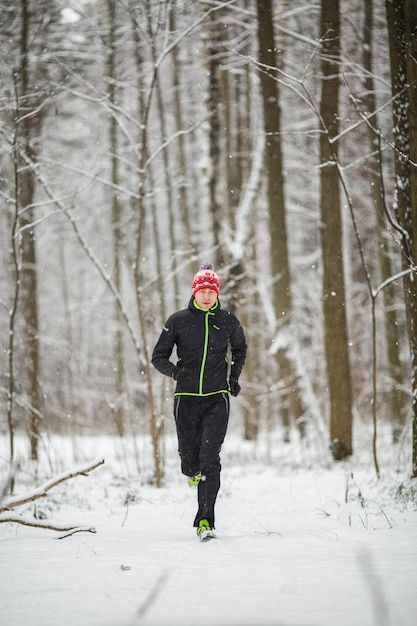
(202, 339)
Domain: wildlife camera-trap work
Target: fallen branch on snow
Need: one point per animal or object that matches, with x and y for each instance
(42, 492)
(28, 521)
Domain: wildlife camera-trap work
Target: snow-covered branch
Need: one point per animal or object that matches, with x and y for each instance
(392, 279)
(27, 521)
(42, 492)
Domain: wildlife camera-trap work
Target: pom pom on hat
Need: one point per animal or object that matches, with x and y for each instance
(206, 278)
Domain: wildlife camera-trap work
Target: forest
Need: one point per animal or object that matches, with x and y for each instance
(276, 139)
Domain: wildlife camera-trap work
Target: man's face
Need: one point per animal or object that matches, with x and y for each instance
(205, 298)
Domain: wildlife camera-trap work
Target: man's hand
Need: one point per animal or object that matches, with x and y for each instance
(181, 374)
(234, 387)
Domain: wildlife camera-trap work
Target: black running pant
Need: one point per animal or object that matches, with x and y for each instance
(201, 427)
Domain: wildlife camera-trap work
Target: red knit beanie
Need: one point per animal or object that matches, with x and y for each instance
(206, 278)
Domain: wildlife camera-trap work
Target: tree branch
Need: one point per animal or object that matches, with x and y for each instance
(42, 491)
(27, 521)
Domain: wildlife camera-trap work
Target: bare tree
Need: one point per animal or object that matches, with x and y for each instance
(215, 180)
(394, 395)
(410, 219)
(181, 144)
(117, 214)
(30, 111)
(402, 29)
(291, 407)
(334, 306)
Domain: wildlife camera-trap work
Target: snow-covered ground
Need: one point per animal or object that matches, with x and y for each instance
(301, 541)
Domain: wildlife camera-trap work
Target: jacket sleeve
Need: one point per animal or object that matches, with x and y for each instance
(238, 347)
(163, 350)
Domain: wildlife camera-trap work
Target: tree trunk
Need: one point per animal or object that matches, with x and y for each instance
(15, 253)
(291, 407)
(116, 210)
(335, 326)
(180, 143)
(145, 364)
(170, 245)
(411, 217)
(213, 103)
(402, 25)
(394, 394)
(29, 121)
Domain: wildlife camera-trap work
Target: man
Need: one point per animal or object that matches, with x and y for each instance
(202, 335)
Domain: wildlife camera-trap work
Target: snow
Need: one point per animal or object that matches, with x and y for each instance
(301, 541)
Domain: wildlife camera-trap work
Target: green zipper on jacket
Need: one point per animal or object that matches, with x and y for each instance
(204, 358)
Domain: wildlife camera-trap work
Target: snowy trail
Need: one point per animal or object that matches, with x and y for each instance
(289, 553)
